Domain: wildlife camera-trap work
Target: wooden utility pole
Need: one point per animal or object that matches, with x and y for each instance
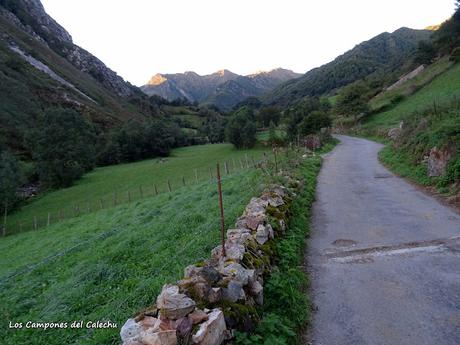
(221, 206)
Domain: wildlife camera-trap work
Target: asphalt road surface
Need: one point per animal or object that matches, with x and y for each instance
(384, 257)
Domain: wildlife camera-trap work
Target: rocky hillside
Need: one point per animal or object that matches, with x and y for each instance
(223, 88)
(381, 54)
(30, 16)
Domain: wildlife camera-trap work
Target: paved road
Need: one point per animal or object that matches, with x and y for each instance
(384, 258)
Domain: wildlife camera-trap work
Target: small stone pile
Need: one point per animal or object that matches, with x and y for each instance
(220, 294)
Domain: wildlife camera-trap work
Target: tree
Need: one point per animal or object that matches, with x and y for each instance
(11, 178)
(352, 100)
(298, 113)
(425, 54)
(241, 129)
(135, 141)
(314, 122)
(63, 147)
(269, 114)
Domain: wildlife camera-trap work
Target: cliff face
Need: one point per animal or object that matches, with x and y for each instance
(30, 16)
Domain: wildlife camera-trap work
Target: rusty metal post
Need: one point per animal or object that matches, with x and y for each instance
(221, 206)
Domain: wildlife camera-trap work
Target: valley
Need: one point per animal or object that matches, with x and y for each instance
(335, 219)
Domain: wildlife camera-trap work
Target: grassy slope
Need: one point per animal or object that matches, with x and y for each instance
(442, 90)
(436, 105)
(126, 254)
(408, 88)
(103, 182)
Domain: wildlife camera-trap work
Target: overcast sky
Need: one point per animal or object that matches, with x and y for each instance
(138, 38)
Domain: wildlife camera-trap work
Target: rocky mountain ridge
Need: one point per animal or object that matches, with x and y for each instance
(222, 88)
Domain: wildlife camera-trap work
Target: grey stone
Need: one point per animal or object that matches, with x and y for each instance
(238, 236)
(237, 272)
(257, 291)
(172, 304)
(150, 337)
(234, 292)
(213, 331)
(130, 330)
(437, 161)
(191, 271)
(263, 232)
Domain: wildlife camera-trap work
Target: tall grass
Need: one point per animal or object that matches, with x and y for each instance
(109, 264)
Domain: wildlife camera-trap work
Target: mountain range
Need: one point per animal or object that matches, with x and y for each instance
(222, 88)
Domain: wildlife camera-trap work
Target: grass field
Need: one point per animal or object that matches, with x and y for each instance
(109, 264)
(102, 183)
(442, 90)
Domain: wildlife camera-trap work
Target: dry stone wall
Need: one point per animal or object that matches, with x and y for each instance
(220, 295)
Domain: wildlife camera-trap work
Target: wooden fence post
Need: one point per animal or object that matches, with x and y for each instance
(234, 164)
(4, 218)
(226, 168)
(241, 164)
(169, 186)
(221, 206)
(183, 180)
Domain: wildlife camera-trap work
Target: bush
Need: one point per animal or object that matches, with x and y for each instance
(455, 55)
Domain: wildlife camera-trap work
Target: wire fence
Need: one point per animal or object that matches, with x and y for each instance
(197, 235)
(46, 219)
